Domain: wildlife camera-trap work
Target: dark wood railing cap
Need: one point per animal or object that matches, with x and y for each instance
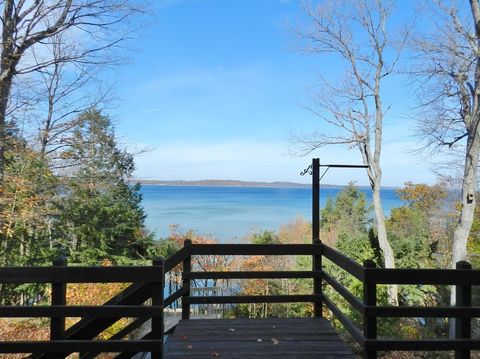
(159, 261)
(369, 264)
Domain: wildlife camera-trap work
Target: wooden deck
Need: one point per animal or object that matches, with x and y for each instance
(305, 338)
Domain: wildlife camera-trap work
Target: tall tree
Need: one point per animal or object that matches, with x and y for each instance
(100, 213)
(355, 32)
(98, 25)
(449, 71)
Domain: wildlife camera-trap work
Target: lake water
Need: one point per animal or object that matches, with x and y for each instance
(231, 213)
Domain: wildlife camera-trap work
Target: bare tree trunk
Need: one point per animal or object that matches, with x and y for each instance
(385, 246)
(469, 189)
(462, 230)
(470, 113)
(6, 76)
(5, 86)
(45, 132)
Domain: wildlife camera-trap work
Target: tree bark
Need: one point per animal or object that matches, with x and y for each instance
(389, 259)
(5, 85)
(374, 173)
(6, 76)
(469, 189)
(470, 114)
(467, 213)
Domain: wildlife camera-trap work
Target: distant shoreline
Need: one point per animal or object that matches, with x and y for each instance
(236, 183)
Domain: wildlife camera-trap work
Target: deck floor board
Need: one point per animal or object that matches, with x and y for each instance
(291, 338)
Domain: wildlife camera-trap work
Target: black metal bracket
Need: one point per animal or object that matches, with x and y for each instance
(324, 173)
(309, 168)
(306, 170)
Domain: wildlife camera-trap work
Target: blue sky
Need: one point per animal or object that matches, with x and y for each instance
(214, 88)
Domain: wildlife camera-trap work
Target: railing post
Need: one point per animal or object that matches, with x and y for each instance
(316, 260)
(157, 301)
(187, 268)
(59, 297)
(463, 325)
(317, 281)
(370, 299)
(315, 199)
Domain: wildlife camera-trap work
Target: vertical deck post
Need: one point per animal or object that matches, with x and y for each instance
(463, 325)
(370, 299)
(316, 259)
(187, 268)
(157, 301)
(59, 297)
(317, 281)
(315, 199)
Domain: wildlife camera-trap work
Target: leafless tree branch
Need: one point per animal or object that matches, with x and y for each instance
(355, 32)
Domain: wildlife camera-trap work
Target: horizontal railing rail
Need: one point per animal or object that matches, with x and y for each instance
(10, 275)
(425, 276)
(252, 299)
(422, 312)
(252, 275)
(146, 281)
(255, 249)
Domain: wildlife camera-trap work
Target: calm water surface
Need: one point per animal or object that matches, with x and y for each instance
(231, 213)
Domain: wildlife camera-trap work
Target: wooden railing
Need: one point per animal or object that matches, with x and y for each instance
(143, 299)
(463, 278)
(148, 283)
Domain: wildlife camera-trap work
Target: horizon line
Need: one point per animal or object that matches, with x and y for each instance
(239, 183)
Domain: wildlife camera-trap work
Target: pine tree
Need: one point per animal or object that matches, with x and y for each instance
(100, 212)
